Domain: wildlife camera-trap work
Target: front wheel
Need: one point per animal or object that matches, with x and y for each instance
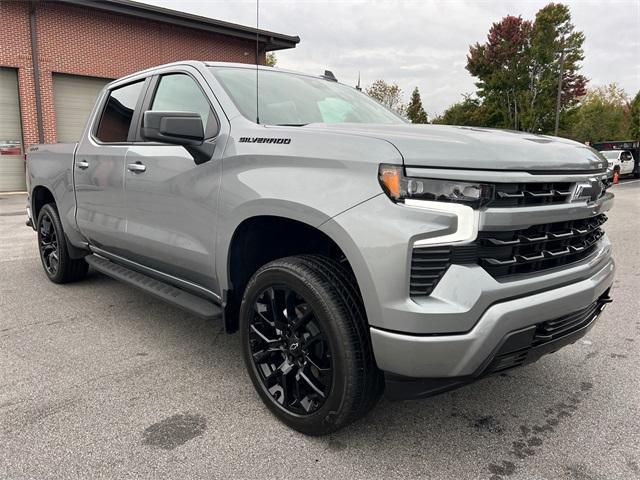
(52, 244)
(306, 345)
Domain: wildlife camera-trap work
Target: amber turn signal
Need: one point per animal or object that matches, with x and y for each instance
(391, 180)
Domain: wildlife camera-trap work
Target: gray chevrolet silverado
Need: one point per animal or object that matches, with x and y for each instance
(356, 254)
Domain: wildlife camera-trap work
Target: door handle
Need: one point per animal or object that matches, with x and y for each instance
(82, 164)
(136, 167)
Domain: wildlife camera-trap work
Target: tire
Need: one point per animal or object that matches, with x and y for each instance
(306, 344)
(54, 254)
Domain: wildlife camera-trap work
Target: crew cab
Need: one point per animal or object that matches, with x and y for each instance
(355, 253)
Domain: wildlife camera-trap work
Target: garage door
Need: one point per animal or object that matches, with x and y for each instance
(11, 159)
(74, 97)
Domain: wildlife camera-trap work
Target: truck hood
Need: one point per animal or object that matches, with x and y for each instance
(477, 148)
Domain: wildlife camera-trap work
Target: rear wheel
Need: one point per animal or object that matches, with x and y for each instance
(306, 345)
(52, 244)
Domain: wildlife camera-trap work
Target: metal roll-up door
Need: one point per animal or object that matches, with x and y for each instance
(11, 158)
(74, 97)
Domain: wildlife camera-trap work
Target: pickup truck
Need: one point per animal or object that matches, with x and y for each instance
(356, 254)
(620, 161)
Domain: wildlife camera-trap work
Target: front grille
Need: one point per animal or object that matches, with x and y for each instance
(510, 252)
(536, 193)
(526, 194)
(428, 264)
(536, 248)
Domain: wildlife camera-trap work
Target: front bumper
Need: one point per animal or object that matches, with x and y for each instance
(517, 348)
(464, 355)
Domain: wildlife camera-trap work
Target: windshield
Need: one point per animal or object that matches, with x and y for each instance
(612, 155)
(291, 99)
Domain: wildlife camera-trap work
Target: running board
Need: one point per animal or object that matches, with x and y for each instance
(164, 291)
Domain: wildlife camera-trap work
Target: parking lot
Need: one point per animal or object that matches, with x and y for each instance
(99, 380)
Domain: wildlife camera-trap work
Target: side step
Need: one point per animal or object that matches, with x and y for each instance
(180, 298)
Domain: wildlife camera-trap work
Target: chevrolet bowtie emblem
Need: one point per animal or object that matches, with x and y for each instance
(589, 190)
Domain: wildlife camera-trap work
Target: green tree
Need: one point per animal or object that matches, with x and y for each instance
(554, 41)
(271, 59)
(389, 95)
(415, 110)
(519, 65)
(634, 120)
(468, 112)
(603, 114)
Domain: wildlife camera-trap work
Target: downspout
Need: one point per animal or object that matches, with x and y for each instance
(35, 63)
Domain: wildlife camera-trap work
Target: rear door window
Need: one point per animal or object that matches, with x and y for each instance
(118, 113)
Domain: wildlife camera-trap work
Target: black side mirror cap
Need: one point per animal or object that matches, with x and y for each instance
(178, 128)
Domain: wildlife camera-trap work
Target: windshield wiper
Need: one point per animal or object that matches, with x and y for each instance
(291, 124)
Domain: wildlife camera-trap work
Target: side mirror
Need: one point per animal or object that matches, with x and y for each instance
(178, 128)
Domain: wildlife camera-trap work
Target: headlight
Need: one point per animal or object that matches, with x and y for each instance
(399, 188)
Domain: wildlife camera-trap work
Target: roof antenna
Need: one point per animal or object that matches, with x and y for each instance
(358, 87)
(257, 48)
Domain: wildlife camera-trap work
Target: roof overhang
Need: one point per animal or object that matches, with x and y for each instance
(269, 40)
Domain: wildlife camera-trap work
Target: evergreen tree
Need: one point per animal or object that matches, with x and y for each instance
(415, 111)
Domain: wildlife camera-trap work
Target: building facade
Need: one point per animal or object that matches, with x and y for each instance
(55, 57)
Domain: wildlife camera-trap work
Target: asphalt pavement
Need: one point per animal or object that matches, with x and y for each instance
(98, 380)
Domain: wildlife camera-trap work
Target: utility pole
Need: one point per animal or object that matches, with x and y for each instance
(559, 87)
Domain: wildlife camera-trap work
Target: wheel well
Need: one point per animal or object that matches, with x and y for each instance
(41, 196)
(259, 240)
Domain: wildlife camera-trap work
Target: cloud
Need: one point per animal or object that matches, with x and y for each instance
(424, 43)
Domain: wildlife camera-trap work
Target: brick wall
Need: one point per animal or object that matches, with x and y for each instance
(89, 42)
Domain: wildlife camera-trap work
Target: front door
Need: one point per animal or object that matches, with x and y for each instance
(99, 169)
(171, 201)
(626, 163)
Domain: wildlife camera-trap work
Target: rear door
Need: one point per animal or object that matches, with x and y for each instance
(99, 167)
(172, 202)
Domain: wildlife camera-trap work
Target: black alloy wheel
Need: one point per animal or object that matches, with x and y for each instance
(290, 350)
(305, 342)
(59, 266)
(49, 247)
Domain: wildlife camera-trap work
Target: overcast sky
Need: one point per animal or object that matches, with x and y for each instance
(424, 43)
